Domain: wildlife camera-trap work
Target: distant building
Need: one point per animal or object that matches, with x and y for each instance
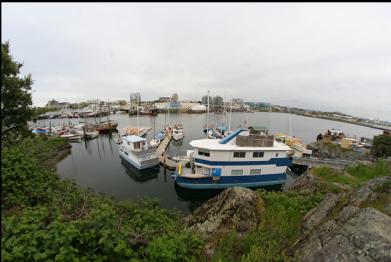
(238, 101)
(204, 100)
(162, 105)
(164, 99)
(52, 103)
(174, 97)
(134, 103)
(134, 97)
(218, 101)
(57, 105)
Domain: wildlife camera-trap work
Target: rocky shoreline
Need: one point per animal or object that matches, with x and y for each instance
(350, 224)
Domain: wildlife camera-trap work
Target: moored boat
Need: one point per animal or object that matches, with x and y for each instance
(137, 151)
(177, 132)
(243, 159)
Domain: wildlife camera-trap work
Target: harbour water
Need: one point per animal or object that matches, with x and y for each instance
(96, 163)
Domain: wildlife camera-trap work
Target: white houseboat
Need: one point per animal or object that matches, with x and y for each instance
(246, 157)
(136, 151)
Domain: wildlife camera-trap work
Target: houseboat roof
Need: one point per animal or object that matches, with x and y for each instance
(214, 144)
(133, 139)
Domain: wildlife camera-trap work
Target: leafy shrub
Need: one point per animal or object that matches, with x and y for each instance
(45, 218)
(381, 146)
(183, 246)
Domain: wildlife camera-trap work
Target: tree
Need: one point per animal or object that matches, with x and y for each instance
(15, 98)
(381, 146)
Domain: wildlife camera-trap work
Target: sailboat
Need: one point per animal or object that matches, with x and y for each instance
(137, 151)
(207, 130)
(177, 133)
(108, 125)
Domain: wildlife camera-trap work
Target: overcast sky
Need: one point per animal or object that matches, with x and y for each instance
(326, 56)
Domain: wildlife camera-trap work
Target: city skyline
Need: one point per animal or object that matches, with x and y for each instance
(325, 56)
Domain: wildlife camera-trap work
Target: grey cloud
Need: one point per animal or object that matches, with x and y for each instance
(326, 56)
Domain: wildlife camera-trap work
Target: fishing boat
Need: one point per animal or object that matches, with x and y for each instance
(154, 142)
(91, 134)
(107, 126)
(71, 137)
(158, 138)
(177, 132)
(244, 158)
(137, 151)
(40, 130)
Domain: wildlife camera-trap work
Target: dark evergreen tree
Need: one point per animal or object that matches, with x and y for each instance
(15, 99)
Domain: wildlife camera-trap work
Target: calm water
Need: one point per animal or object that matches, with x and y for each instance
(96, 163)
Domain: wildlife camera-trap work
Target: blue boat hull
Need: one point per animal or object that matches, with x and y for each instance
(249, 181)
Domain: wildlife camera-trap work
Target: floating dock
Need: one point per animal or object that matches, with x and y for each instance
(161, 152)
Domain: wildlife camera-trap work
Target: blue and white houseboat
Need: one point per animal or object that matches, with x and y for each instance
(244, 158)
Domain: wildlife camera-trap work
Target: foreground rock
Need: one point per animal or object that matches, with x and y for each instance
(305, 184)
(235, 208)
(343, 228)
(356, 234)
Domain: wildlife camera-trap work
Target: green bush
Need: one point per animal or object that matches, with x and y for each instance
(355, 175)
(381, 146)
(183, 246)
(45, 218)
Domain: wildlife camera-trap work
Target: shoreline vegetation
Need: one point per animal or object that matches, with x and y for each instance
(46, 218)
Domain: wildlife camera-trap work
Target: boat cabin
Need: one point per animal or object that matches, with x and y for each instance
(135, 143)
(240, 153)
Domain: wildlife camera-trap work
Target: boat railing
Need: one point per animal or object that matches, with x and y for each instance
(255, 140)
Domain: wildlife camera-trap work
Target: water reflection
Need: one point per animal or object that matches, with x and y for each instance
(140, 176)
(97, 164)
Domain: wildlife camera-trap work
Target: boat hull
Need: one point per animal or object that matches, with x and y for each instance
(140, 165)
(249, 181)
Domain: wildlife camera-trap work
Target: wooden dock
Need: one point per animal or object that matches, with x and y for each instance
(161, 152)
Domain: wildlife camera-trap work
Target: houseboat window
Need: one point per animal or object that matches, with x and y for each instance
(237, 172)
(203, 153)
(255, 171)
(137, 145)
(206, 171)
(257, 154)
(276, 154)
(240, 154)
(126, 153)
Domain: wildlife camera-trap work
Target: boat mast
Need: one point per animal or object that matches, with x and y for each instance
(168, 110)
(270, 117)
(225, 113)
(138, 130)
(207, 117)
(230, 116)
(107, 109)
(180, 105)
(66, 111)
